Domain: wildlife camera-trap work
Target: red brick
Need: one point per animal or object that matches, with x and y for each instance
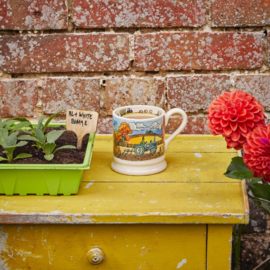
(71, 93)
(64, 53)
(131, 91)
(197, 124)
(195, 93)
(257, 86)
(33, 15)
(198, 50)
(105, 126)
(268, 46)
(18, 97)
(240, 12)
(138, 13)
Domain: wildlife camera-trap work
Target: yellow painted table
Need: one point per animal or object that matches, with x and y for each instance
(179, 219)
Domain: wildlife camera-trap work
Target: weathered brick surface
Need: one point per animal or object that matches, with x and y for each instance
(138, 13)
(64, 53)
(268, 46)
(33, 15)
(195, 93)
(18, 97)
(132, 91)
(197, 124)
(254, 250)
(240, 12)
(199, 51)
(70, 93)
(105, 126)
(257, 86)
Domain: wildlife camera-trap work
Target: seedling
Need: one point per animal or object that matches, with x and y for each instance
(8, 139)
(43, 141)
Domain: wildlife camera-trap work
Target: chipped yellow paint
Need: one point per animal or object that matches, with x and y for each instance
(133, 203)
(219, 238)
(190, 159)
(66, 247)
(131, 217)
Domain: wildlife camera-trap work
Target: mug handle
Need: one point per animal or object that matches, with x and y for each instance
(182, 126)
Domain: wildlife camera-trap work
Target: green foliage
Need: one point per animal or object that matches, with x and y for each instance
(238, 230)
(43, 141)
(261, 195)
(239, 170)
(9, 139)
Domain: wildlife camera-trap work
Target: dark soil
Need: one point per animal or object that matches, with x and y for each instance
(65, 156)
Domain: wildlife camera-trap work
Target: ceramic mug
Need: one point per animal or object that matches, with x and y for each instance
(139, 138)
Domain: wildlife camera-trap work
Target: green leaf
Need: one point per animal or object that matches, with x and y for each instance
(238, 169)
(20, 126)
(19, 144)
(11, 140)
(54, 135)
(256, 180)
(260, 190)
(22, 119)
(237, 164)
(8, 124)
(50, 119)
(239, 175)
(2, 159)
(264, 204)
(64, 147)
(3, 136)
(49, 157)
(39, 134)
(9, 152)
(40, 125)
(4, 123)
(48, 148)
(23, 155)
(28, 138)
(0, 119)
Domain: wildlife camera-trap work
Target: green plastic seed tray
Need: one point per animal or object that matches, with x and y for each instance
(44, 179)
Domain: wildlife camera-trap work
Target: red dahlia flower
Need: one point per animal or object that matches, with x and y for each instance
(233, 115)
(257, 152)
(266, 178)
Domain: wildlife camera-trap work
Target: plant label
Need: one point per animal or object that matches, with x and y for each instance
(81, 123)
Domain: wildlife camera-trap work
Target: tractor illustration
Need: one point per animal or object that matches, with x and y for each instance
(139, 149)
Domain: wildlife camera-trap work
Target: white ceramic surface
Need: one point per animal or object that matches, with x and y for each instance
(140, 144)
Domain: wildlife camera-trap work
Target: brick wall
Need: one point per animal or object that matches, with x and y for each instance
(101, 54)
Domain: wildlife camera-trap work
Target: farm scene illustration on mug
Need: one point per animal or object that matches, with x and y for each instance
(138, 140)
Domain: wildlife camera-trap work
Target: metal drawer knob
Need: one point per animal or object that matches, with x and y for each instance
(95, 255)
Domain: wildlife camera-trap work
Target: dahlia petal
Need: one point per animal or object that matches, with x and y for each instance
(233, 125)
(266, 178)
(227, 131)
(215, 121)
(256, 109)
(243, 128)
(241, 112)
(236, 135)
(249, 115)
(224, 123)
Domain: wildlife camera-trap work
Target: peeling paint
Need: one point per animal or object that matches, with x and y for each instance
(180, 264)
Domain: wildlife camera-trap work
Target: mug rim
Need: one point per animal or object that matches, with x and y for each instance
(137, 119)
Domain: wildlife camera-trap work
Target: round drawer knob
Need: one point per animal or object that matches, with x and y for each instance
(95, 255)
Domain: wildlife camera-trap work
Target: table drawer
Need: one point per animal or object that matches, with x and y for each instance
(142, 246)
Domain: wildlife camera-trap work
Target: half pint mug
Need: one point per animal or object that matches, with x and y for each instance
(139, 138)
